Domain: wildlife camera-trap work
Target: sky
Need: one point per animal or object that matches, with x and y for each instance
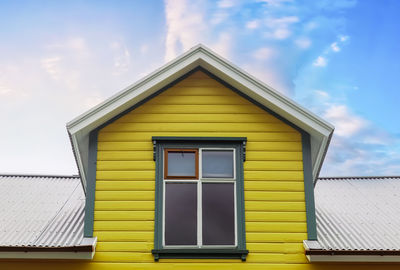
(340, 59)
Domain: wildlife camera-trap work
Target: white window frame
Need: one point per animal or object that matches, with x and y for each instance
(199, 183)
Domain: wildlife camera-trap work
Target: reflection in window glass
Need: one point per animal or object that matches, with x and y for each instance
(181, 164)
(180, 214)
(218, 214)
(217, 163)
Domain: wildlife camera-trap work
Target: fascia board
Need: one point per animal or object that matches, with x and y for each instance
(353, 258)
(79, 162)
(52, 253)
(82, 255)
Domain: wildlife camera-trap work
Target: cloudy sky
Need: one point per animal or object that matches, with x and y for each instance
(340, 59)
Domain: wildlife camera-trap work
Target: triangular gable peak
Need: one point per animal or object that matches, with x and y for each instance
(200, 56)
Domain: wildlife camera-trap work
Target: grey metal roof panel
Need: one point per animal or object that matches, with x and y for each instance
(358, 213)
(41, 211)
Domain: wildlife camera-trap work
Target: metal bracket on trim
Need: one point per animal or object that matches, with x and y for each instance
(154, 150)
(244, 151)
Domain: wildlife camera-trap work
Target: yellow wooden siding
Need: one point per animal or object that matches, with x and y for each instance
(200, 106)
(185, 265)
(124, 207)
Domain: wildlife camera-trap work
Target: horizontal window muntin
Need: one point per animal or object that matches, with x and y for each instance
(199, 182)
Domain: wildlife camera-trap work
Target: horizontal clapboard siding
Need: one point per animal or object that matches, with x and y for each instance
(200, 106)
(286, 264)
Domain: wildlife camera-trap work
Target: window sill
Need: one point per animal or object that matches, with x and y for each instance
(199, 254)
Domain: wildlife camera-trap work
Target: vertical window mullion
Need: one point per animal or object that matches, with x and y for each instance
(200, 202)
(199, 215)
(163, 215)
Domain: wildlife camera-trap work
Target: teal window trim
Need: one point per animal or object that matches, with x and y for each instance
(238, 143)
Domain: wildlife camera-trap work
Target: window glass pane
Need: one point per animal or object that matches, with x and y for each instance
(217, 164)
(218, 214)
(181, 163)
(180, 214)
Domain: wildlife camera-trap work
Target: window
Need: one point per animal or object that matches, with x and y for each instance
(199, 198)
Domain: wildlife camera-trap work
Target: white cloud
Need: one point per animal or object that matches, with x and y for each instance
(346, 124)
(308, 27)
(322, 94)
(279, 27)
(335, 47)
(5, 90)
(219, 17)
(283, 20)
(264, 53)
(275, 2)
(226, 3)
(320, 62)
(51, 66)
(121, 58)
(186, 26)
(270, 75)
(76, 44)
(343, 38)
(223, 46)
(303, 42)
(253, 24)
(144, 48)
(281, 33)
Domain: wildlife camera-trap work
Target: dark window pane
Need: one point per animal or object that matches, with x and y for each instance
(180, 214)
(181, 164)
(217, 164)
(218, 214)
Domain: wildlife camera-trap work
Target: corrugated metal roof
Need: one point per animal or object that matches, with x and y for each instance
(353, 213)
(358, 213)
(41, 211)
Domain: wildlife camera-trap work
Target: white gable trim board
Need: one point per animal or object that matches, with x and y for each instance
(320, 131)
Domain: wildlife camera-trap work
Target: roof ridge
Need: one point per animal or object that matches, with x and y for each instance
(358, 177)
(39, 175)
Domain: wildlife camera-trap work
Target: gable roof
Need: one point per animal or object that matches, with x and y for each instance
(79, 128)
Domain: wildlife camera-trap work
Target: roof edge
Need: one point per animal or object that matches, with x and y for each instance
(356, 177)
(88, 248)
(332, 252)
(84, 251)
(315, 253)
(39, 175)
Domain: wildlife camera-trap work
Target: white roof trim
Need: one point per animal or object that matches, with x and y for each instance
(353, 258)
(53, 254)
(314, 245)
(62, 255)
(80, 127)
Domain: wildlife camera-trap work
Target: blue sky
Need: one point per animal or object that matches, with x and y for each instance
(340, 59)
